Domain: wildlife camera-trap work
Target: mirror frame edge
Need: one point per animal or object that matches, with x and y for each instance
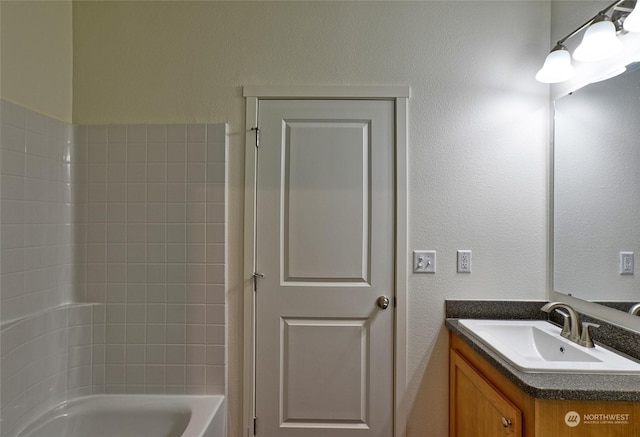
(613, 316)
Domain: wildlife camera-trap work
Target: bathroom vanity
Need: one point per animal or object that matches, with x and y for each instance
(490, 397)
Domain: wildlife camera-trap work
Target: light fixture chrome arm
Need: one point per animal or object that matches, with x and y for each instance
(586, 24)
(600, 41)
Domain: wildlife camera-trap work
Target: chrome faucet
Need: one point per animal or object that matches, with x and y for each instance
(571, 329)
(570, 317)
(635, 310)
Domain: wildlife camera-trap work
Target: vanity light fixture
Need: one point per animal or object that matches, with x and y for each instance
(632, 22)
(600, 41)
(557, 66)
(616, 71)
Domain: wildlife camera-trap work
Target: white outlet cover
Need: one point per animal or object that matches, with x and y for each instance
(626, 263)
(464, 261)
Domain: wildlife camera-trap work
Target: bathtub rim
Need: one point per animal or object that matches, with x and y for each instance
(204, 409)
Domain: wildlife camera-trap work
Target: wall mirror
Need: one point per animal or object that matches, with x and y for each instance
(596, 189)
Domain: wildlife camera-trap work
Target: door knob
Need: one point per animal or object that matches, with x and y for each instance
(383, 302)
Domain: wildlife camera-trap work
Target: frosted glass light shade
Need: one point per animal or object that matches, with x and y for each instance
(632, 22)
(599, 42)
(616, 71)
(556, 68)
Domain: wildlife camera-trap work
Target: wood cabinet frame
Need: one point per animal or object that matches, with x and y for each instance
(540, 417)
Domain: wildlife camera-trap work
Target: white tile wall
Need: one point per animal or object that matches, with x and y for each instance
(45, 346)
(37, 213)
(131, 218)
(155, 253)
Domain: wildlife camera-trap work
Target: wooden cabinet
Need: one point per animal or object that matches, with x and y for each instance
(479, 408)
(484, 403)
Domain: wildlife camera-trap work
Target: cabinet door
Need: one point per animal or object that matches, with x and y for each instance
(477, 408)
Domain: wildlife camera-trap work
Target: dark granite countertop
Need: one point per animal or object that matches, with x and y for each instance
(559, 386)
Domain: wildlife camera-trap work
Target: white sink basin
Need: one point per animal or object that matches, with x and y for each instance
(536, 346)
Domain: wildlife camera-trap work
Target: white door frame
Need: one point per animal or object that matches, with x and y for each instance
(400, 95)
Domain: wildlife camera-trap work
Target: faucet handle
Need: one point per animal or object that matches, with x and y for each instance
(566, 327)
(585, 337)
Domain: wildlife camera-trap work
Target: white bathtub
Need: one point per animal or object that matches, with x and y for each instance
(133, 416)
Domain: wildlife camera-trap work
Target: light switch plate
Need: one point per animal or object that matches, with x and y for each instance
(424, 261)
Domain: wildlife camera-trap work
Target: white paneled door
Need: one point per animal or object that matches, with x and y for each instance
(325, 245)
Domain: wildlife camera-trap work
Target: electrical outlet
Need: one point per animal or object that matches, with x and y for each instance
(464, 261)
(424, 261)
(626, 263)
